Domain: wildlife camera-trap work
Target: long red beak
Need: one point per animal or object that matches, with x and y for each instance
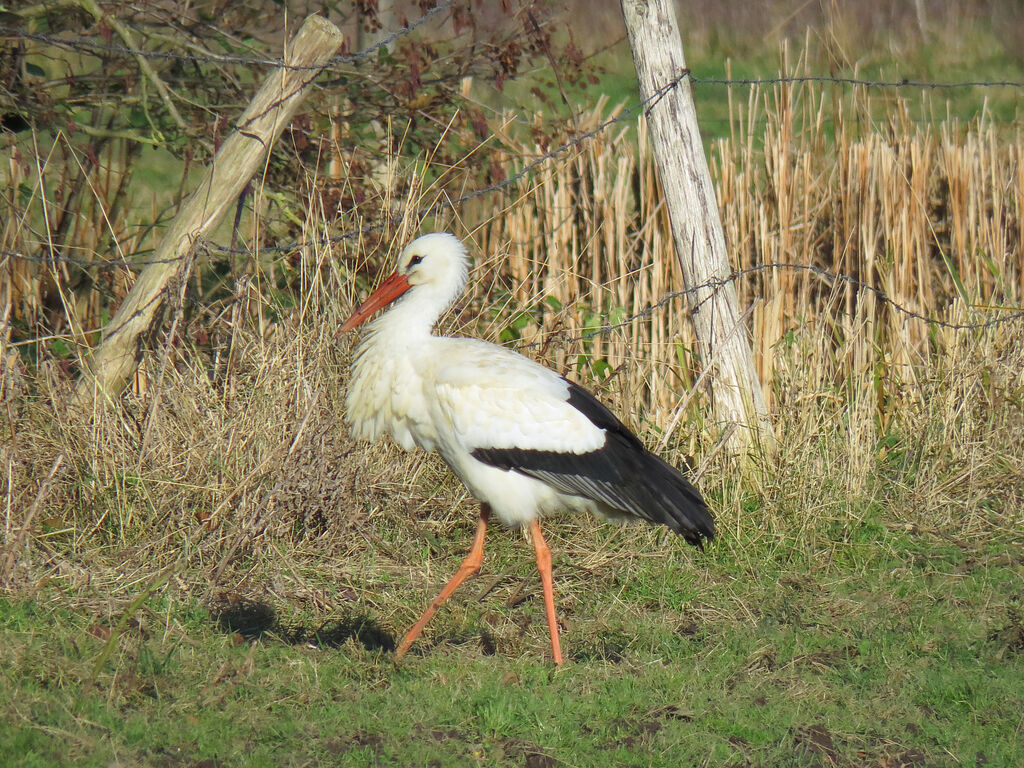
(386, 292)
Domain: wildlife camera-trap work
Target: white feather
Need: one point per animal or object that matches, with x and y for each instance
(490, 397)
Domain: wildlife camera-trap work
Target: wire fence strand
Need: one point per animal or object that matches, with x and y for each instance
(996, 315)
(90, 45)
(627, 114)
(1003, 314)
(93, 47)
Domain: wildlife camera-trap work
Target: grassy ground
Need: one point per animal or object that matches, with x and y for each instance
(165, 617)
(216, 576)
(871, 646)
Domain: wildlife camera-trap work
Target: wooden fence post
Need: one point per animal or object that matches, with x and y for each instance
(737, 398)
(117, 356)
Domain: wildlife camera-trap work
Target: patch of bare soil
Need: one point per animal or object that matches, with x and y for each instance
(1011, 635)
(827, 749)
(817, 740)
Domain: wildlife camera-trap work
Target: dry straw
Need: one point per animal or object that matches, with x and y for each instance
(243, 447)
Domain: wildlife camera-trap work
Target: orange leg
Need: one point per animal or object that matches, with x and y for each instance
(469, 566)
(544, 566)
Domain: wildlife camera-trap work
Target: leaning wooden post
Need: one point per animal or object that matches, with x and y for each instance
(696, 227)
(115, 359)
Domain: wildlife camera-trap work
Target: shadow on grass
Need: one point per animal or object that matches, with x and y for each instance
(253, 619)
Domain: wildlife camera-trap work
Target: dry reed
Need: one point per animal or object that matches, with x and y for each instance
(239, 444)
(931, 216)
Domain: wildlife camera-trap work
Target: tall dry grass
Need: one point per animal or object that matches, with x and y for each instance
(929, 214)
(232, 460)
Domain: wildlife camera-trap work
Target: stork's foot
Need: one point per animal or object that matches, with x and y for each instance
(544, 567)
(469, 566)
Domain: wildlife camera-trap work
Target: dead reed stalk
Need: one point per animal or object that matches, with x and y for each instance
(923, 421)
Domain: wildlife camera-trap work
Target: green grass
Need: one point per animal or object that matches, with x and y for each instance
(874, 647)
(976, 57)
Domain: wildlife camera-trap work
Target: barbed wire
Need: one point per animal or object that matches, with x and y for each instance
(1005, 314)
(1013, 314)
(903, 83)
(91, 46)
(627, 113)
(75, 261)
(213, 249)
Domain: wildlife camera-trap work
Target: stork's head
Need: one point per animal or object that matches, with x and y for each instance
(439, 259)
(434, 266)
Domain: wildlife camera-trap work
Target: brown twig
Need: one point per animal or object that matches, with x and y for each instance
(147, 69)
(19, 538)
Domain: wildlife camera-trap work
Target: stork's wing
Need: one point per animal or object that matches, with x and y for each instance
(490, 397)
(512, 413)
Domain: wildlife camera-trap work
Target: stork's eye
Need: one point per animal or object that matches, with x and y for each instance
(415, 260)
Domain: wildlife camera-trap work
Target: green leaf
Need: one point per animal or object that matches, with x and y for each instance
(520, 320)
(682, 355)
(25, 193)
(554, 303)
(957, 282)
(617, 315)
(601, 368)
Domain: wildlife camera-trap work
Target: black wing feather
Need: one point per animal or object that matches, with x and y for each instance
(622, 474)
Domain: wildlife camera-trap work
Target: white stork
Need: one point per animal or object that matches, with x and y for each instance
(524, 440)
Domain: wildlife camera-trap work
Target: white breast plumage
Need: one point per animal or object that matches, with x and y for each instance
(385, 396)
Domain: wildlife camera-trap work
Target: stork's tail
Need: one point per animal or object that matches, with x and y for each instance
(669, 498)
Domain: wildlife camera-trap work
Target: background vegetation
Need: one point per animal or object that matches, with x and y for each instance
(210, 572)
